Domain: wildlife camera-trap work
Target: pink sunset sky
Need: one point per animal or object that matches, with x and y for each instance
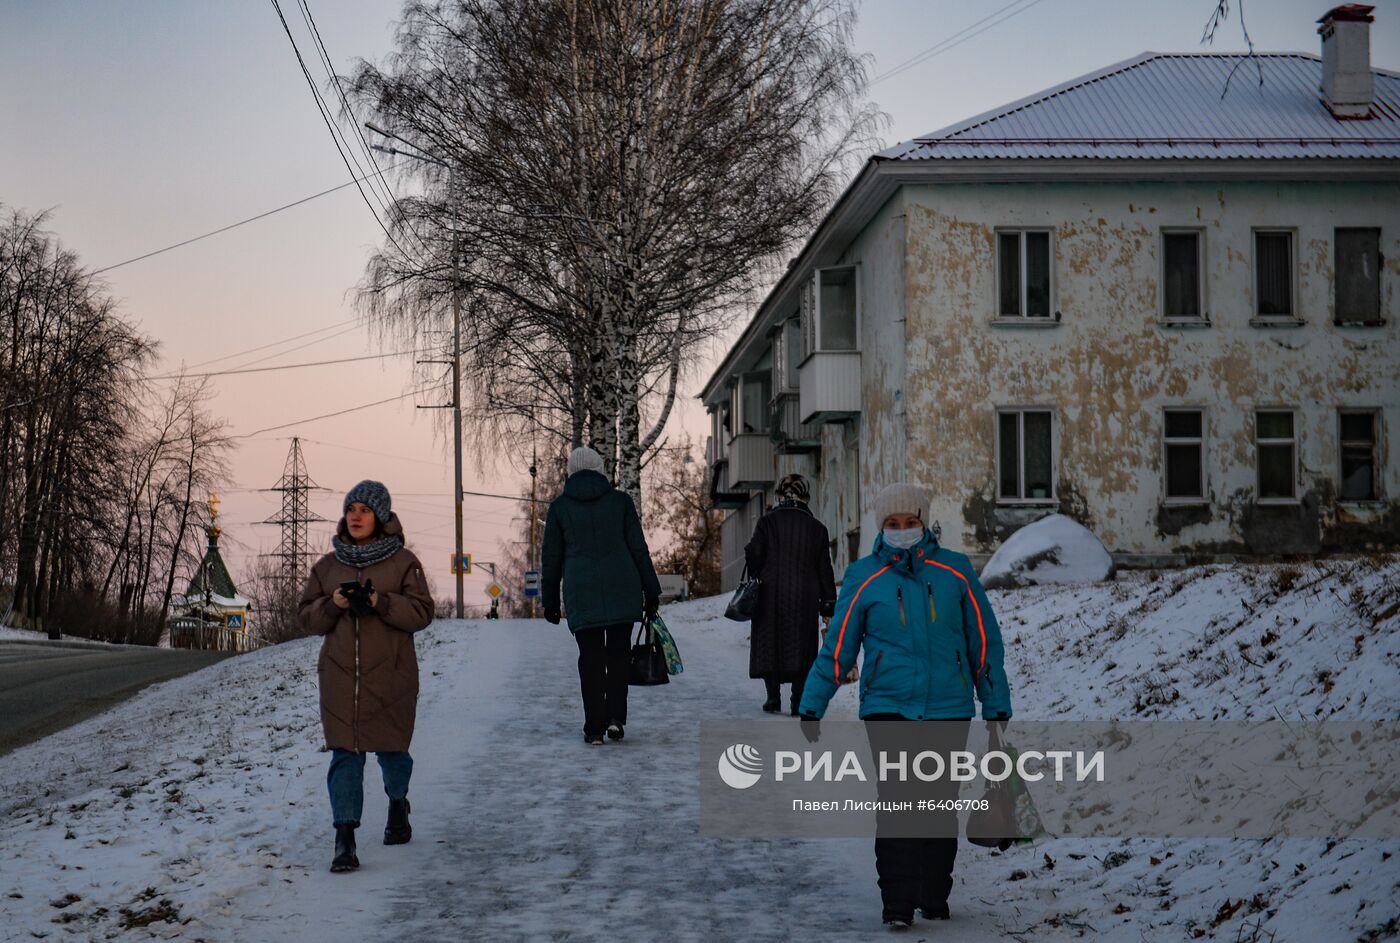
(143, 123)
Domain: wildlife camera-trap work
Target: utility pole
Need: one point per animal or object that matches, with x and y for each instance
(534, 519)
(456, 363)
(457, 419)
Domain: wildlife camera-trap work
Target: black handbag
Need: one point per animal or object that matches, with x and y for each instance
(995, 826)
(745, 598)
(648, 659)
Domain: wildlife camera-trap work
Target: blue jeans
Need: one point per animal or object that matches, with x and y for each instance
(346, 781)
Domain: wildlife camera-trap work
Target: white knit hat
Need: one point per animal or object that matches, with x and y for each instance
(900, 498)
(585, 459)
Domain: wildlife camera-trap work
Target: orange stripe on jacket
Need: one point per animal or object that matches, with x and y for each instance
(976, 608)
(842, 634)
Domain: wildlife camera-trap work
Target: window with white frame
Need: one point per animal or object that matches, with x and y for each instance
(831, 311)
(1181, 274)
(1360, 437)
(1357, 263)
(752, 396)
(1273, 273)
(1276, 454)
(1185, 441)
(1023, 273)
(1025, 450)
(787, 355)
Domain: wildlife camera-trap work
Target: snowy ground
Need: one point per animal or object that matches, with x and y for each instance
(197, 810)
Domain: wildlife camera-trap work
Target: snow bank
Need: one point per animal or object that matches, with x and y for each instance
(1054, 549)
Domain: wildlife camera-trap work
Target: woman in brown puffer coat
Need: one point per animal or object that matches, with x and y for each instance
(367, 598)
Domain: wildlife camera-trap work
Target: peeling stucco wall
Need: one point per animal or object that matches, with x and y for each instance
(1110, 367)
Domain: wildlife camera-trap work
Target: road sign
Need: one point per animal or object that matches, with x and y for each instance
(532, 583)
(464, 564)
(494, 590)
(234, 621)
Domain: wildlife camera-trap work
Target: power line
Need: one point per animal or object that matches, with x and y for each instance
(330, 126)
(342, 412)
(948, 42)
(241, 222)
(254, 350)
(344, 139)
(292, 350)
(340, 94)
(289, 366)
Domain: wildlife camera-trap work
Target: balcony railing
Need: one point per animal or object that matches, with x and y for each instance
(750, 461)
(792, 436)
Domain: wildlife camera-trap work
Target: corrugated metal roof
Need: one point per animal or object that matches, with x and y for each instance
(1170, 106)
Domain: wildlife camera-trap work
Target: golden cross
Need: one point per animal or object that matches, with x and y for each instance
(214, 506)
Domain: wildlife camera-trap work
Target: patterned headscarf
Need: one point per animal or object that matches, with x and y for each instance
(794, 488)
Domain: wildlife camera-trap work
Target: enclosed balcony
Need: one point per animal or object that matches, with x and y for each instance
(750, 465)
(792, 436)
(830, 386)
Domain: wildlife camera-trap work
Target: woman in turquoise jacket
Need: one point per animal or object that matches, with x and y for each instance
(931, 646)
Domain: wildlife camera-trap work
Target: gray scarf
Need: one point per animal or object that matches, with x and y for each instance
(362, 555)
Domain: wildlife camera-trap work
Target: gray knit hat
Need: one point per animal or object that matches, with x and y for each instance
(373, 495)
(585, 459)
(900, 498)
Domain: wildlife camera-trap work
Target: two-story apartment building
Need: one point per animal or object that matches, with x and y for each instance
(1163, 307)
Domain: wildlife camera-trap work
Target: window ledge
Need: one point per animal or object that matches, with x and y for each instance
(1380, 323)
(1025, 322)
(1183, 322)
(1368, 503)
(1186, 502)
(1028, 503)
(1276, 322)
(1279, 502)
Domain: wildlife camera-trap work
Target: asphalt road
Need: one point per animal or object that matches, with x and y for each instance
(44, 688)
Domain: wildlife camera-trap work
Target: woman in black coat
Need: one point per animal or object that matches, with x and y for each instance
(791, 556)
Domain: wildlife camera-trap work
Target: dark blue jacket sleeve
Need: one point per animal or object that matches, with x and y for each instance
(838, 653)
(551, 561)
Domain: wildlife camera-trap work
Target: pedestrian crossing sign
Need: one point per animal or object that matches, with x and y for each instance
(233, 621)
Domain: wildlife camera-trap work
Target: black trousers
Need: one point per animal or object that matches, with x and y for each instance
(604, 662)
(916, 872)
(775, 691)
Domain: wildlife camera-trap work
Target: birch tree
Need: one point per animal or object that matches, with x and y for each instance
(610, 179)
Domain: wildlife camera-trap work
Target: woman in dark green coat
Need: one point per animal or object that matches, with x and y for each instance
(593, 542)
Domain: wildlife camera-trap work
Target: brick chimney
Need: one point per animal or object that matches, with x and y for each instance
(1348, 84)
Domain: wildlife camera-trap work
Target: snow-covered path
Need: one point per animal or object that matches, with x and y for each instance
(521, 831)
(197, 810)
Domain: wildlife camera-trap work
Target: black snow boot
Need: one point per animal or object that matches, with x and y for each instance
(772, 706)
(938, 910)
(344, 859)
(397, 831)
(614, 731)
(898, 921)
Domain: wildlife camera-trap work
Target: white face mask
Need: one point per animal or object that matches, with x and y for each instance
(903, 539)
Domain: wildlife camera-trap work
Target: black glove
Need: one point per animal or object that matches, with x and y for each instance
(551, 616)
(828, 608)
(811, 728)
(359, 598)
(653, 604)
